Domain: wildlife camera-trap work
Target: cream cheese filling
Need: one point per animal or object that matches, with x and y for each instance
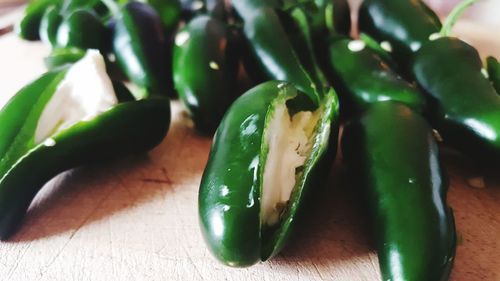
(85, 92)
(289, 141)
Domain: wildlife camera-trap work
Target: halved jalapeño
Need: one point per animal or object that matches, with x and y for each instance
(270, 151)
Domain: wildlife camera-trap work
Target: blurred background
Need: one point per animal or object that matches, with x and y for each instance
(485, 11)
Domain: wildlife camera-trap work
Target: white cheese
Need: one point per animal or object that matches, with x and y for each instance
(85, 91)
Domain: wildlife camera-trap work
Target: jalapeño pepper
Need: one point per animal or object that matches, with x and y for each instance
(205, 70)
(140, 47)
(272, 148)
(83, 29)
(405, 25)
(28, 27)
(49, 25)
(362, 78)
(67, 118)
(273, 50)
(392, 153)
(467, 107)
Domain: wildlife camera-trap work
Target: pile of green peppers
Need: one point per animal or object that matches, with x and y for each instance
(134, 37)
(461, 92)
(255, 73)
(27, 147)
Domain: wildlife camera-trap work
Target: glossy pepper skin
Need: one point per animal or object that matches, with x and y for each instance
(392, 153)
(139, 45)
(25, 166)
(49, 25)
(405, 24)
(494, 72)
(205, 70)
(362, 78)
(83, 29)
(229, 197)
(467, 107)
(29, 25)
(273, 50)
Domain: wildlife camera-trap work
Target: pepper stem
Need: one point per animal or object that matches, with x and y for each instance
(452, 18)
(112, 6)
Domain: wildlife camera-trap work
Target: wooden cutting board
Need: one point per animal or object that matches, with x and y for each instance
(135, 218)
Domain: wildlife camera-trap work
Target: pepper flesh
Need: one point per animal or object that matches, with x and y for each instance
(231, 187)
(391, 152)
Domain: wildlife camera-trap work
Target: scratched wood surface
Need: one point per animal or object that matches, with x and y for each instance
(135, 218)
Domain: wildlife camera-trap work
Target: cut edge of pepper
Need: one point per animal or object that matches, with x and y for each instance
(275, 236)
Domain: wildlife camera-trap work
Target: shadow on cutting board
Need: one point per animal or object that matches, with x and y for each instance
(81, 197)
(334, 231)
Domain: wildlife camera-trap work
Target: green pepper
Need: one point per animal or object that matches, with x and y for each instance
(362, 78)
(270, 152)
(29, 25)
(273, 50)
(65, 119)
(205, 70)
(494, 72)
(140, 47)
(82, 29)
(169, 12)
(49, 25)
(394, 158)
(467, 107)
(405, 25)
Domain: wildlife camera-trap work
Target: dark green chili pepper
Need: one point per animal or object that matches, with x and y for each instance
(29, 26)
(273, 50)
(261, 169)
(494, 72)
(299, 31)
(82, 29)
(362, 78)
(49, 25)
(405, 25)
(140, 47)
(394, 157)
(205, 70)
(467, 107)
(38, 142)
(60, 57)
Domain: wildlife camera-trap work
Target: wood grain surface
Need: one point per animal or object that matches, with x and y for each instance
(135, 218)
